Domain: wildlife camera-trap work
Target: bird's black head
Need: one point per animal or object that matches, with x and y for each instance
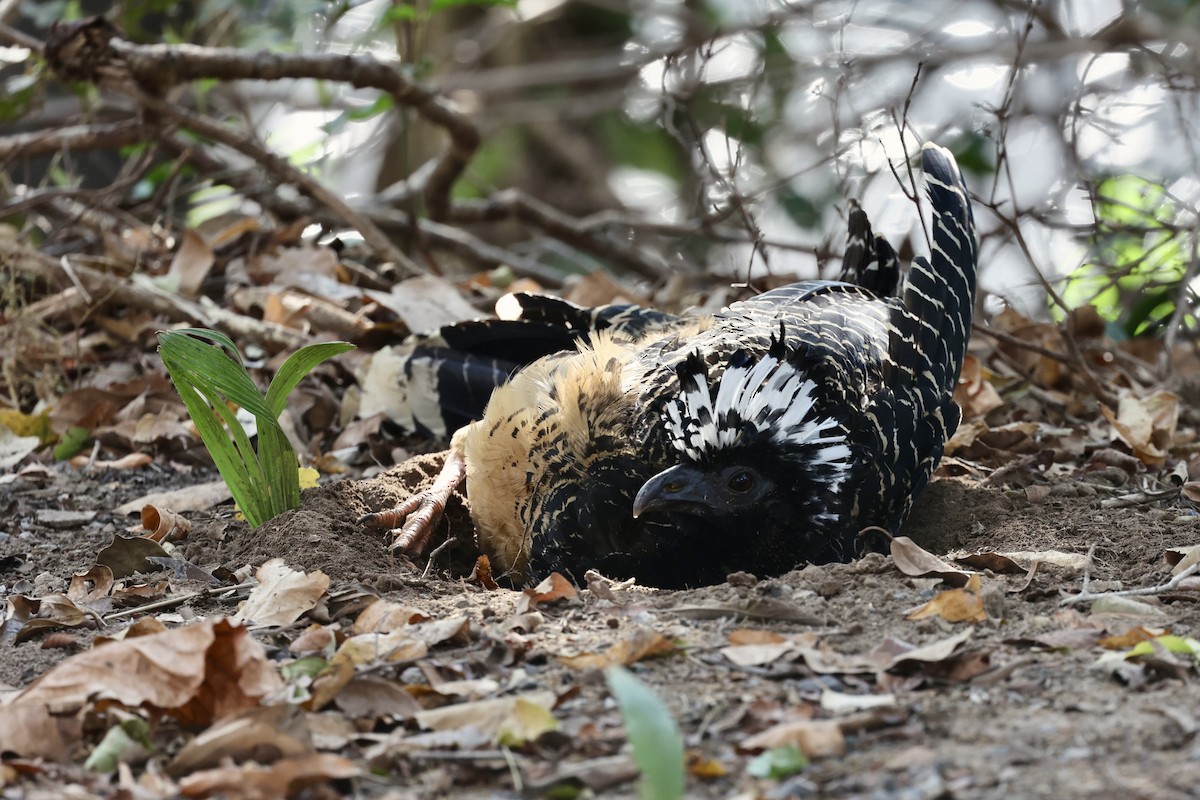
(764, 469)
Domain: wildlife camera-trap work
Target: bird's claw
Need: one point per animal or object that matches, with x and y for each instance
(421, 512)
(410, 524)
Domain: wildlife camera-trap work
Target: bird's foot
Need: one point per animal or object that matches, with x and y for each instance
(412, 522)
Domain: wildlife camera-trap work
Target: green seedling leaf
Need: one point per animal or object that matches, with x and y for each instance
(307, 667)
(1179, 645)
(653, 734)
(122, 740)
(209, 374)
(782, 762)
(72, 443)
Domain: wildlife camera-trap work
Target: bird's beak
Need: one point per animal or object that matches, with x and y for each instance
(679, 488)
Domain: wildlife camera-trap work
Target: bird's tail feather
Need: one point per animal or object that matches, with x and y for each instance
(870, 262)
(939, 292)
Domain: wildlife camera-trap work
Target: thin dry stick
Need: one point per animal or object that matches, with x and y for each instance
(1086, 595)
(168, 602)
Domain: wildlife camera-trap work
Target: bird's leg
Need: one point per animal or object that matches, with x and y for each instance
(421, 512)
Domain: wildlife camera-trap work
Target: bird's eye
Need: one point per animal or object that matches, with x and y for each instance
(741, 481)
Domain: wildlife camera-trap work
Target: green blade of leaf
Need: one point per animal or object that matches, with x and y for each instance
(653, 734)
(297, 365)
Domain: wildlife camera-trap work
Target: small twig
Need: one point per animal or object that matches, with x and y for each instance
(513, 204)
(73, 138)
(1008, 338)
(1086, 595)
(1139, 498)
(168, 602)
(434, 552)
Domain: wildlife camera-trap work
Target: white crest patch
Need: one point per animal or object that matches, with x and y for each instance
(770, 395)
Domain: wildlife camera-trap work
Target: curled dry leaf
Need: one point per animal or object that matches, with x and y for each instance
(1146, 424)
(384, 616)
(130, 461)
(195, 674)
(200, 497)
(38, 731)
(1181, 558)
(282, 595)
(481, 574)
(748, 647)
(1131, 637)
(816, 738)
(372, 698)
(285, 778)
(486, 716)
(93, 589)
(554, 587)
(191, 263)
(974, 394)
(164, 525)
(640, 643)
(264, 734)
(932, 653)
(917, 562)
(28, 616)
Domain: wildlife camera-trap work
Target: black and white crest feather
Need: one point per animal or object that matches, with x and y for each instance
(751, 403)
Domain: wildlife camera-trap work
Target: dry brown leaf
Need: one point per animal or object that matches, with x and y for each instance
(933, 652)
(744, 636)
(638, 644)
(425, 303)
(1146, 424)
(191, 263)
(35, 731)
(755, 655)
(554, 587)
(955, 605)
(92, 589)
(384, 616)
(313, 268)
(366, 697)
(200, 497)
(1181, 558)
(481, 574)
(1073, 562)
(974, 394)
(165, 525)
(486, 716)
(262, 734)
(196, 674)
(916, 562)
(369, 648)
(1126, 640)
(313, 639)
(29, 615)
(285, 778)
(128, 555)
(130, 461)
(282, 595)
(816, 738)
(454, 630)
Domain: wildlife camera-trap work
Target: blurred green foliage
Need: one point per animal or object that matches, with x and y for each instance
(1139, 255)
